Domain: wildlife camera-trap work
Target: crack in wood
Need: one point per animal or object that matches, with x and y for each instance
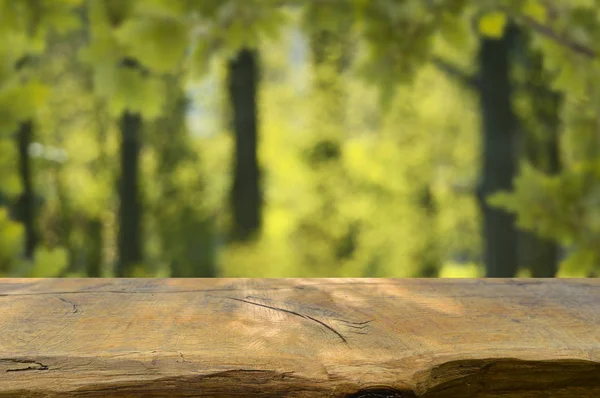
(40, 366)
(183, 358)
(296, 314)
(354, 325)
(72, 304)
(381, 393)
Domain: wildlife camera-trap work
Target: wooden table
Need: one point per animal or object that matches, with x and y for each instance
(299, 338)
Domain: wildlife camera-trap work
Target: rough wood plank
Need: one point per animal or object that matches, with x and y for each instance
(299, 338)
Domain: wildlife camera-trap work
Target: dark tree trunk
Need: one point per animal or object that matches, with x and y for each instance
(246, 195)
(94, 246)
(198, 257)
(499, 163)
(66, 224)
(26, 205)
(538, 254)
(429, 257)
(129, 245)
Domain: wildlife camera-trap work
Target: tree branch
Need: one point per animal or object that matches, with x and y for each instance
(560, 39)
(455, 72)
(549, 33)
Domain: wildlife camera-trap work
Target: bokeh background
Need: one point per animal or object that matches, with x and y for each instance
(299, 138)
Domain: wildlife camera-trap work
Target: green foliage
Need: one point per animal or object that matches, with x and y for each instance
(132, 91)
(18, 102)
(344, 177)
(565, 208)
(399, 37)
(24, 26)
(9, 181)
(343, 187)
(77, 189)
(451, 270)
(222, 28)
(493, 24)
(179, 220)
(115, 31)
(157, 41)
(48, 263)
(11, 234)
(159, 35)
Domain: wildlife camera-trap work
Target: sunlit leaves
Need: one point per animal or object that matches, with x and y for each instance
(165, 37)
(11, 234)
(454, 31)
(166, 8)
(61, 15)
(202, 51)
(579, 264)
(395, 41)
(117, 11)
(18, 102)
(493, 24)
(23, 26)
(36, 18)
(535, 10)
(157, 42)
(48, 263)
(9, 181)
(564, 208)
(571, 77)
(399, 37)
(128, 89)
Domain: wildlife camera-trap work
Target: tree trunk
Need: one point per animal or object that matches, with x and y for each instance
(246, 195)
(538, 254)
(429, 257)
(129, 245)
(66, 223)
(26, 205)
(499, 132)
(94, 248)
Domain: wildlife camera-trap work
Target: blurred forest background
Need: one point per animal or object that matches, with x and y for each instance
(300, 138)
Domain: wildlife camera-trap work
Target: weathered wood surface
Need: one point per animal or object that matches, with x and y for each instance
(299, 338)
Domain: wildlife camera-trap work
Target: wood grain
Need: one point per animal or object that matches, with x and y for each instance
(299, 338)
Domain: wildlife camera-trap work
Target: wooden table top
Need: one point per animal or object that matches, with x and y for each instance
(299, 337)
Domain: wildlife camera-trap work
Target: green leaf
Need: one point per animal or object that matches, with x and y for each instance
(159, 43)
(133, 91)
(535, 10)
(161, 8)
(11, 238)
(198, 63)
(492, 24)
(19, 102)
(48, 263)
(578, 264)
